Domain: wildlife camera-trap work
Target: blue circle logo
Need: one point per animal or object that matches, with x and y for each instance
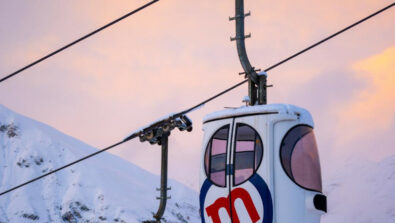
(224, 202)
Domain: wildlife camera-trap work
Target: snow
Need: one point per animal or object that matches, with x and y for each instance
(103, 188)
(165, 117)
(262, 73)
(245, 110)
(152, 123)
(246, 99)
(361, 191)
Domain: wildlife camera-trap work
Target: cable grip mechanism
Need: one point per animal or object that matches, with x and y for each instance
(158, 133)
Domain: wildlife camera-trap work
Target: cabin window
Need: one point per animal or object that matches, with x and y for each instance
(299, 158)
(215, 157)
(248, 153)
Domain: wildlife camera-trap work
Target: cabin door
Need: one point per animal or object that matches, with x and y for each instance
(236, 190)
(214, 194)
(250, 189)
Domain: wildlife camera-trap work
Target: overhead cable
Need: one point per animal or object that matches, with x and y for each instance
(330, 37)
(68, 165)
(78, 40)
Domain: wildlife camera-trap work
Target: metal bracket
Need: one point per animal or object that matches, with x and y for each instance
(160, 198)
(154, 133)
(240, 37)
(159, 189)
(240, 16)
(256, 70)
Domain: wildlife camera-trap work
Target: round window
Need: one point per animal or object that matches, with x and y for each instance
(299, 157)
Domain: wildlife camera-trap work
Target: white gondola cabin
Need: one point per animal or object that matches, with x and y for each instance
(260, 164)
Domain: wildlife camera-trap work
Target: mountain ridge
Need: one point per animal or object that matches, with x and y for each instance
(104, 188)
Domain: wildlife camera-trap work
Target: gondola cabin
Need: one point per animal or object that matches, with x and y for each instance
(260, 164)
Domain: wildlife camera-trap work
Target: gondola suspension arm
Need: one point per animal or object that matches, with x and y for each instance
(256, 82)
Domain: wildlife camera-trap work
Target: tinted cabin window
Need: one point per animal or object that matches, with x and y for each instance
(248, 153)
(215, 157)
(299, 158)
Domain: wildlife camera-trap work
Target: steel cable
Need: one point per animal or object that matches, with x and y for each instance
(78, 40)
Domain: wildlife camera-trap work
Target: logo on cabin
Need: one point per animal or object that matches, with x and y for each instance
(256, 200)
(225, 202)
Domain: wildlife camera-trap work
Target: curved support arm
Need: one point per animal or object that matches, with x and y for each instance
(163, 180)
(240, 36)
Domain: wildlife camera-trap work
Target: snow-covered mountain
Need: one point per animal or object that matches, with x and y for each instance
(102, 189)
(361, 191)
(108, 189)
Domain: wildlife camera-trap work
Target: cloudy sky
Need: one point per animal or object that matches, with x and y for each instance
(177, 53)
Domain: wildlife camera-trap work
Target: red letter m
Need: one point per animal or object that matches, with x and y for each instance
(222, 202)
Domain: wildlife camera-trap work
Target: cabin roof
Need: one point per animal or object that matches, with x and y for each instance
(258, 109)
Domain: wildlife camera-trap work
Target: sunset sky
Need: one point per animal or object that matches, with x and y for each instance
(177, 53)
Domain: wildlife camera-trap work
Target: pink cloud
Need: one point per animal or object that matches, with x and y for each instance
(372, 107)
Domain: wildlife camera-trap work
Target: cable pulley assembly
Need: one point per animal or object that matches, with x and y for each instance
(158, 133)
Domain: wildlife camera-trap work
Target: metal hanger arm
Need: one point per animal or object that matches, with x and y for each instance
(240, 41)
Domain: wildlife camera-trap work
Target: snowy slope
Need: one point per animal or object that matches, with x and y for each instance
(103, 189)
(361, 191)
